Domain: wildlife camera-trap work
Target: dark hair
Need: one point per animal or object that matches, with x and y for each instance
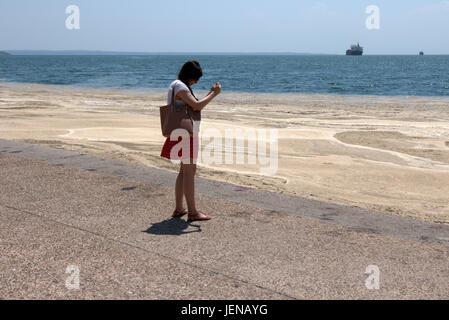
(191, 70)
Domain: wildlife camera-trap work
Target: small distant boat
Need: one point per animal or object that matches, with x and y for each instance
(421, 53)
(356, 50)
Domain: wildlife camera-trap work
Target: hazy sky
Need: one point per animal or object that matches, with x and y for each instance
(327, 26)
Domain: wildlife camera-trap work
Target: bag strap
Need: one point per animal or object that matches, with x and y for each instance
(172, 101)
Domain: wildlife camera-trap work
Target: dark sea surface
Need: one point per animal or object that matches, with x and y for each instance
(323, 74)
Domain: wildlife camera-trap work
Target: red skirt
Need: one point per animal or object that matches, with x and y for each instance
(182, 149)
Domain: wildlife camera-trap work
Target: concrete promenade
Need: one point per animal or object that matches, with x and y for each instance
(110, 220)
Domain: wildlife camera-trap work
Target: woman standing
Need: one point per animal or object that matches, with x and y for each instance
(189, 75)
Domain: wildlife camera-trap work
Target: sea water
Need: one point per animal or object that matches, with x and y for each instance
(323, 74)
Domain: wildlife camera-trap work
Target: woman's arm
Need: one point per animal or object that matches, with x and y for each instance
(197, 105)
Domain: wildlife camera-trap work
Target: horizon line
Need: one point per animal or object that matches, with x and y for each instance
(162, 52)
(107, 52)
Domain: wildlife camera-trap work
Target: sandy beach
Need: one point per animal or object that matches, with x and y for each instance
(389, 154)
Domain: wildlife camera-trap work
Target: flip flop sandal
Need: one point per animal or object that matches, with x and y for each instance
(178, 214)
(192, 218)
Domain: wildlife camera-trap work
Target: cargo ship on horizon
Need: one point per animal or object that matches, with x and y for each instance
(356, 50)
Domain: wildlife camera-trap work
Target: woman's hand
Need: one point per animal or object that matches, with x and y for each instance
(216, 88)
(213, 88)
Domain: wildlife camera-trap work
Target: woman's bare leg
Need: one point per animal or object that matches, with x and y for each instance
(188, 180)
(179, 190)
(189, 171)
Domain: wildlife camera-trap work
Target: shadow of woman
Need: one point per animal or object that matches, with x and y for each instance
(176, 227)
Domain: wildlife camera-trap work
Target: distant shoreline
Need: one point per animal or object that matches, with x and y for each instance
(101, 53)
